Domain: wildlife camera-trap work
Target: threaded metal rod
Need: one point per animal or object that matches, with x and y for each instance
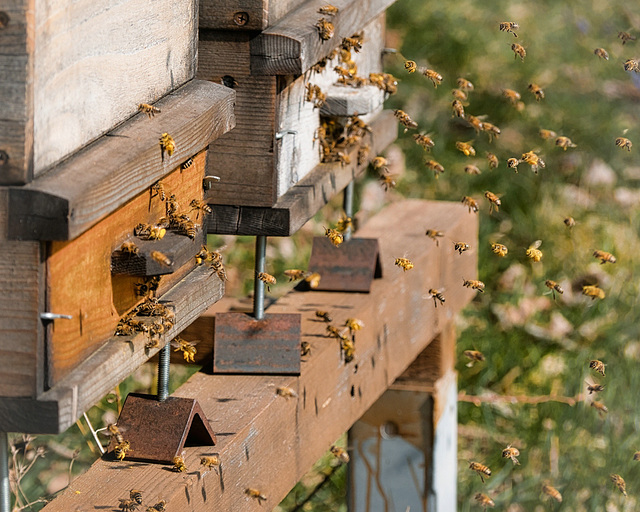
(5, 490)
(347, 204)
(258, 286)
(163, 372)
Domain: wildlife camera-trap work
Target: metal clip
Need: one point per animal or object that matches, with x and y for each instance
(54, 316)
(280, 135)
(206, 182)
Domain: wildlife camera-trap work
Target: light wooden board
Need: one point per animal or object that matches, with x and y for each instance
(293, 45)
(17, 44)
(65, 202)
(346, 101)
(243, 14)
(268, 442)
(96, 61)
(304, 199)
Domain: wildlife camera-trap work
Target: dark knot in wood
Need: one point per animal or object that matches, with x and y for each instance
(241, 18)
(4, 19)
(4, 158)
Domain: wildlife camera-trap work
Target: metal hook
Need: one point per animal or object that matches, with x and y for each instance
(206, 182)
(54, 316)
(280, 135)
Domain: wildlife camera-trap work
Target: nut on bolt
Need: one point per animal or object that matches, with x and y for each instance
(241, 18)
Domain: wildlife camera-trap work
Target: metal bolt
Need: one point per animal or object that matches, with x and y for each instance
(5, 491)
(4, 157)
(347, 204)
(164, 359)
(4, 19)
(281, 134)
(54, 316)
(258, 286)
(389, 429)
(206, 182)
(241, 18)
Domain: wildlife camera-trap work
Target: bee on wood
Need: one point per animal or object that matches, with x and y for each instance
(167, 144)
(484, 500)
(121, 450)
(623, 143)
(435, 166)
(474, 284)
(199, 206)
(334, 236)
(481, 469)
(286, 392)
(512, 96)
(604, 257)
(410, 66)
(547, 134)
(493, 161)
(619, 483)
(632, 65)
(518, 51)
(554, 287)
(405, 119)
(424, 140)
(149, 232)
(313, 280)
(494, 201)
(157, 189)
(127, 505)
(594, 388)
(533, 252)
(436, 295)
(329, 10)
(404, 263)
(150, 110)
(305, 349)
(325, 29)
(597, 366)
(474, 356)
(600, 407)
(552, 492)
(475, 123)
(341, 454)
(161, 258)
(491, 130)
(509, 26)
(434, 76)
(129, 248)
(464, 84)
(470, 203)
(354, 42)
(315, 96)
(255, 494)
(187, 347)
(565, 142)
(158, 507)
(388, 181)
(210, 461)
(185, 226)
(512, 163)
(625, 37)
(499, 249)
(569, 222)
(343, 158)
(154, 342)
(434, 234)
(593, 291)
(363, 153)
(354, 324)
(186, 164)
(324, 315)
(460, 247)
(294, 274)
(267, 279)
(533, 160)
(465, 148)
(459, 94)
(333, 332)
(511, 452)
(203, 255)
(136, 496)
(149, 285)
(384, 81)
(457, 109)
(472, 170)
(602, 53)
(537, 91)
(178, 463)
(347, 347)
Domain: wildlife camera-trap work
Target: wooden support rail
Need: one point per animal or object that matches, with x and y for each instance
(268, 442)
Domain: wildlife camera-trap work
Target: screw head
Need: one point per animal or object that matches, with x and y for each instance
(241, 18)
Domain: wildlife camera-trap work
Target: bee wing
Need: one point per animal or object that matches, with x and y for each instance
(535, 244)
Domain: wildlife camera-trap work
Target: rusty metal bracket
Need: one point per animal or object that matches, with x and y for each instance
(243, 344)
(159, 431)
(351, 267)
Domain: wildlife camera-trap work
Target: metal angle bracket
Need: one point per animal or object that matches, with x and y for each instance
(158, 431)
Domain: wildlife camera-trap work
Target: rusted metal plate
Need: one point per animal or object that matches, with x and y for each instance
(242, 344)
(158, 431)
(350, 267)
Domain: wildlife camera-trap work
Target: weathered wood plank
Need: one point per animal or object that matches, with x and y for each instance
(17, 43)
(348, 101)
(91, 73)
(267, 442)
(68, 200)
(244, 14)
(293, 45)
(304, 199)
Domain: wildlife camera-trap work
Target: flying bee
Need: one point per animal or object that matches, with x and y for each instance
(604, 257)
(518, 51)
(547, 134)
(157, 189)
(121, 449)
(433, 234)
(484, 500)
(625, 37)
(512, 163)
(344, 223)
(424, 140)
(457, 108)
(410, 66)
(632, 65)
(127, 505)
(472, 169)
(554, 287)
(341, 454)
(460, 247)
(470, 203)
(465, 148)
(499, 249)
(509, 26)
(569, 222)
(602, 53)
(434, 76)
(404, 263)
(354, 42)
(511, 452)
(324, 315)
(533, 252)
(158, 507)
(436, 295)
(328, 10)
(379, 162)
(435, 166)
(537, 91)
(552, 492)
(315, 95)
(459, 94)
(623, 143)
(481, 469)
(512, 96)
(150, 110)
(129, 248)
(267, 279)
(464, 84)
(294, 274)
(136, 496)
(491, 130)
(593, 291)
(600, 407)
(565, 142)
(167, 144)
(354, 324)
(255, 494)
(388, 181)
(313, 280)
(594, 388)
(334, 236)
(199, 206)
(474, 284)
(210, 461)
(187, 347)
(405, 119)
(636, 456)
(474, 356)
(475, 123)
(178, 463)
(161, 258)
(286, 392)
(494, 201)
(533, 160)
(597, 366)
(493, 161)
(619, 483)
(305, 349)
(325, 29)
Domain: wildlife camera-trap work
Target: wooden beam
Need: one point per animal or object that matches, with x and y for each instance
(243, 14)
(293, 45)
(348, 101)
(303, 200)
(68, 200)
(268, 442)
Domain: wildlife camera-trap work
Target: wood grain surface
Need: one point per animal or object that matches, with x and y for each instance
(244, 14)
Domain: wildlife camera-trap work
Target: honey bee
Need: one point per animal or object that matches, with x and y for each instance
(324, 315)
(295, 274)
(474, 284)
(464, 84)
(499, 249)
(267, 279)
(594, 388)
(379, 162)
(158, 507)
(363, 152)
(424, 140)
(434, 76)
(127, 505)
(136, 496)
(354, 324)
(187, 347)
(315, 95)
(121, 449)
(537, 91)
(199, 206)
(410, 66)
(334, 236)
(600, 407)
(341, 454)
(512, 96)
(474, 356)
(460, 247)
(465, 148)
(631, 65)
(186, 164)
(494, 201)
(597, 366)
(565, 142)
(481, 469)
(348, 348)
(459, 94)
(533, 160)
(325, 29)
(636, 456)
(619, 483)
(533, 252)
(604, 257)
(328, 10)
(129, 248)
(210, 461)
(593, 291)
(625, 37)
(286, 392)
(178, 463)
(493, 161)
(404, 263)
(547, 134)
(436, 167)
(623, 143)
(313, 280)
(518, 51)
(472, 169)
(569, 222)
(509, 26)
(161, 258)
(149, 232)
(150, 110)
(405, 119)
(157, 189)
(602, 53)
(353, 42)
(491, 130)
(436, 295)
(457, 108)
(255, 494)
(512, 163)
(552, 492)
(167, 144)
(388, 181)
(305, 349)
(484, 500)
(333, 332)
(475, 123)
(433, 234)
(470, 203)
(554, 287)
(511, 452)
(154, 342)
(384, 81)
(344, 223)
